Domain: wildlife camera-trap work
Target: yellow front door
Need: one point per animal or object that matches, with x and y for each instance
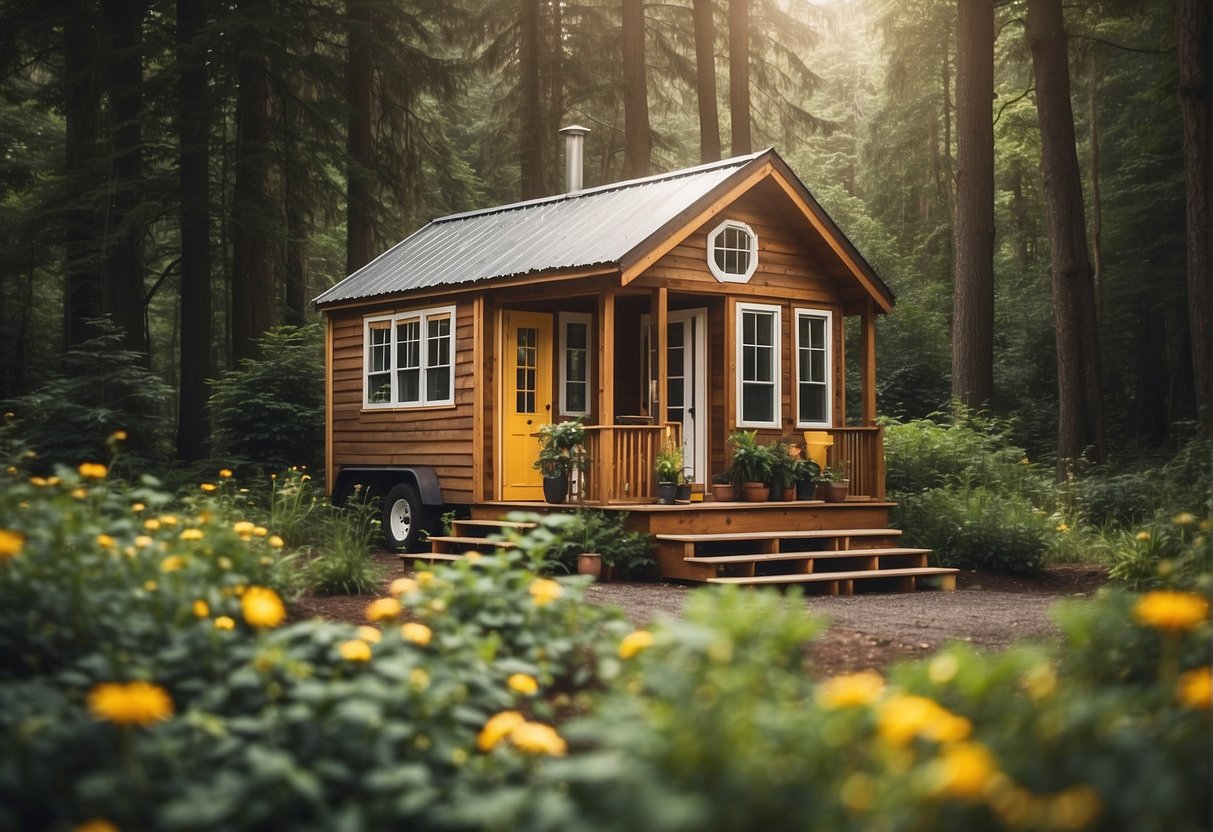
(526, 393)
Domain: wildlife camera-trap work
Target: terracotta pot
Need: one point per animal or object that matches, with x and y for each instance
(834, 492)
(789, 493)
(590, 563)
(723, 493)
(755, 492)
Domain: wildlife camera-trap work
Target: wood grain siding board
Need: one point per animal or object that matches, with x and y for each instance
(441, 437)
(330, 470)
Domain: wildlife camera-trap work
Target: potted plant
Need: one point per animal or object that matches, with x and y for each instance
(834, 484)
(723, 490)
(751, 464)
(806, 473)
(783, 464)
(561, 451)
(683, 492)
(668, 465)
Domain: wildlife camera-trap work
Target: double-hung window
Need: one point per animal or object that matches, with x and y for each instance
(813, 328)
(574, 363)
(409, 359)
(758, 365)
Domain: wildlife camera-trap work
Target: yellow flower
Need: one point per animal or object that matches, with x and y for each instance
(260, 531)
(172, 563)
(225, 473)
(963, 771)
(472, 557)
(92, 470)
(150, 586)
(201, 609)
(225, 622)
(118, 436)
(38, 481)
(419, 679)
(130, 703)
(243, 528)
(524, 684)
(1040, 681)
(633, 642)
(416, 632)
(151, 524)
(1143, 536)
(403, 586)
(371, 635)
(79, 493)
(545, 591)
(275, 542)
(137, 507)
(95, 825)
(11, 544)
(1171, 611)
(1196, 688)
(143, 541)
(1184, 518)
(105, 541)
(1074, 808)
(1062, 527)
(355, 650)
(904, 717)
(851, 691)
(425, 578)
(208, 487)
(498, 728)
(537, 738)
(382, 609)
(168, 519)
(262, 607)
(191, 534)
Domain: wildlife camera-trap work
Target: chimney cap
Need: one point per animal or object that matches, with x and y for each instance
(574, 130)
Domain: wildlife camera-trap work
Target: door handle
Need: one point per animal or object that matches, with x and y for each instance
(528, 421)
(547, 406)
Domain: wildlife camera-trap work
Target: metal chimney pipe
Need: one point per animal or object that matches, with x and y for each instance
(574, 153)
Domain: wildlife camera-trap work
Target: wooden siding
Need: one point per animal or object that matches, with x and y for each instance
(440, 437)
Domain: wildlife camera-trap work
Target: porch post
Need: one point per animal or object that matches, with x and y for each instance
(661, 327)
(868, 322)
(606, 393)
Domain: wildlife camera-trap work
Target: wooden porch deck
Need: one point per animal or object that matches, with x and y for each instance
(826, 547)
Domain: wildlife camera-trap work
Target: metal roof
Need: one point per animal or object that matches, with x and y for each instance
(596, 226)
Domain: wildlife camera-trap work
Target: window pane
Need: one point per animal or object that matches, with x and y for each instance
(813, 402)
(818, 365)
(720, 258)
(575, 366)
(765, 323)
(764, 361)
(438, 383)
(819, 333)
(748, 327)
(575, 336)
(409, 382)
(575, 397)
(379, 387)
(757, 403)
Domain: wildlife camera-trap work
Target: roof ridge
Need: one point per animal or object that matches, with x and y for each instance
(681, 173)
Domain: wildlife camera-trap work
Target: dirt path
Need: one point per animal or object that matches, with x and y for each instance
(866, 631)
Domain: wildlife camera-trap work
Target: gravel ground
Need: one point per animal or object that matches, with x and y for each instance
(867, 631)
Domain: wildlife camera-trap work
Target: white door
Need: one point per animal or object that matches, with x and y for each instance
(686, 397)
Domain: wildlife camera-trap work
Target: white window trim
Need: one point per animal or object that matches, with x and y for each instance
(563, 320)
(776, 358)
(829, 319)
(720, 274)
(423, 316)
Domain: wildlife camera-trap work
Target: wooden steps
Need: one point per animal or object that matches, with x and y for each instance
(481, 536)
(823, 557)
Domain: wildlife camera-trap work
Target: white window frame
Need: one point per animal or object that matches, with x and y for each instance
(828, 316)
(776, 366)
(719, 273)
(423, 317)
(563, 321)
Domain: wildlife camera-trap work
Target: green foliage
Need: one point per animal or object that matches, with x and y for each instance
(669, 463)
(562, 537)
(977, 528)
(1174, 553)
(269, 414)
(751, 462)
(100, 389)
(561, 448)
(342, 564)
(1153, 487)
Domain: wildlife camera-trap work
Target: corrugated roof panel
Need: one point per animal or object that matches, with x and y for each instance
(589, 228)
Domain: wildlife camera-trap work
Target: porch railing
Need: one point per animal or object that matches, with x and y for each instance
(861, 452)
(621, 459)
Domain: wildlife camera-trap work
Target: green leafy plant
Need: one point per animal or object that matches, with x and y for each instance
(342, 563)
(561, 448)
(669, 462)
(977, 528)
(783, 464)
(751, 462)
(590, 530)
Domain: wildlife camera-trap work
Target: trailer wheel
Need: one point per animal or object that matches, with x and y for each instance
(404, 518)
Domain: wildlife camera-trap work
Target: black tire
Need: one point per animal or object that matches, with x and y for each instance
(404, 518)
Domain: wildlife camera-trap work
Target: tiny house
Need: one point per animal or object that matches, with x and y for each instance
(691, 303)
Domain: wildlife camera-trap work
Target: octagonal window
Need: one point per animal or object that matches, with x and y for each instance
(732, 252)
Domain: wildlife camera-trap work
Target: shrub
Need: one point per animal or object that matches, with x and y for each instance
(564, 537)
(977, 528)
(342, 564)
(270, 412)
(1171, 553)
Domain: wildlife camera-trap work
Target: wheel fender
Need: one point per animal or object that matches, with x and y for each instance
(383, 477)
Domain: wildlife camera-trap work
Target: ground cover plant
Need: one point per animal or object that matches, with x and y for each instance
(152, 680)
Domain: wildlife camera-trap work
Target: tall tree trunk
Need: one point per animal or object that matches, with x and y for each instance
(739, 76)
(1195, 77)
(553, 85)
(949, 177)
(295, 196)
(637, 143)
(973, 263)
(531, 141)
(122, 295)
(81, 107)
(705, 80)
(194, 183)
(252, 204)
(1079, 388)
(1096, 196)
(359, 241)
